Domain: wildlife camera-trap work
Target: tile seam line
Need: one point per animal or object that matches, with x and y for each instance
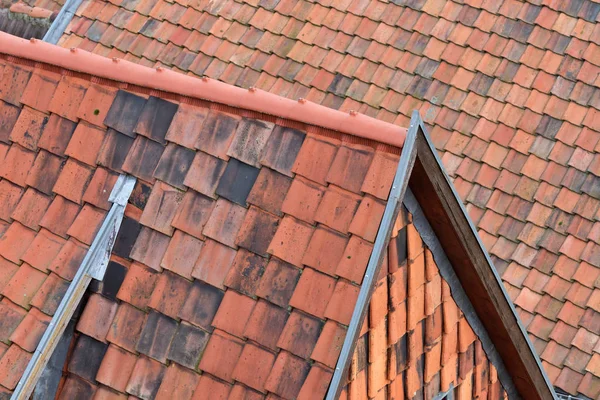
(253, 99)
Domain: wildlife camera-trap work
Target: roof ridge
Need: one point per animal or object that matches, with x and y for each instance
(207, 89)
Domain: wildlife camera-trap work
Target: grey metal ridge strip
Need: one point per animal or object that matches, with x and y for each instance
(93, 266)
(410, 195)
(399, 186)
(62, 20)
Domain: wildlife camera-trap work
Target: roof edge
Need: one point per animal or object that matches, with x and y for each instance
(458, 237)
(206, 89)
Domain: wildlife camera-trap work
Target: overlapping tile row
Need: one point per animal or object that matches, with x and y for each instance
(416, 342)
(510, 92)
(53, 199)
(240, 257)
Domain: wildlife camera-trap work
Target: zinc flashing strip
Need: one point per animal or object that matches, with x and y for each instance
(399, 187)
(93, 266)
(62, 20)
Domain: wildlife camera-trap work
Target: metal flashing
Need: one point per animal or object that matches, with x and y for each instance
(399, 187)
(62, 20)
(93, 266)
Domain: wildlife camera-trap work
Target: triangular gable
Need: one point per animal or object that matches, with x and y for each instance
(439, 218)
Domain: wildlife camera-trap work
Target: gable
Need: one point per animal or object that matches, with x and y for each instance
(417, 342)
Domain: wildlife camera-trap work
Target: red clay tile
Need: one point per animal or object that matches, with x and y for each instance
(269, 191)
(12, 366)
(146, 378)
(313, 292)
(15, 242)
(266, 324)
(254, 367)
(300, 334)
(278, 282)
(245, 272)
(325, 250)
(97, 316)
(350, 167)
(182, 254)
(178, 382)
(87, 224)
(302, 199)
(291, 240)
(85, 143)
(221, 355)
(68, 97)
(45, 172)
(23, 285)
(72, 181)
(9, 198)
(345, 205)
(225, 222)
(161, 208)
(315, 159)
(44, 248)
(234, 313)
(31, 209)
(204, 173)
(287, 376)
(353, 264)
(95, 104)
(245, 150)
(126, 327)
(329, 345)
(12, 315)
(214, 263)
(17, 164)
(28, 128)
(13, 83)
(68, 260)
(138, 286)
(99, 188)
(116, 368)
(169, 294)
(342, 302)
(210, 388)
(367, 219)
(380, 175)
(40, 89)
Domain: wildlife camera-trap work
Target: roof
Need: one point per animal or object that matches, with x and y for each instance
(220, 249)
(24, 21)
(509, 90)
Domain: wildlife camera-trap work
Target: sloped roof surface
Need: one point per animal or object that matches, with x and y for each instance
(510, 90)
(240, 257)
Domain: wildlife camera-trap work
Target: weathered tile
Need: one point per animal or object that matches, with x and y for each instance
(237, 181)
(154, 119)
(156, 336)
(124, 112)
(250, 138)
